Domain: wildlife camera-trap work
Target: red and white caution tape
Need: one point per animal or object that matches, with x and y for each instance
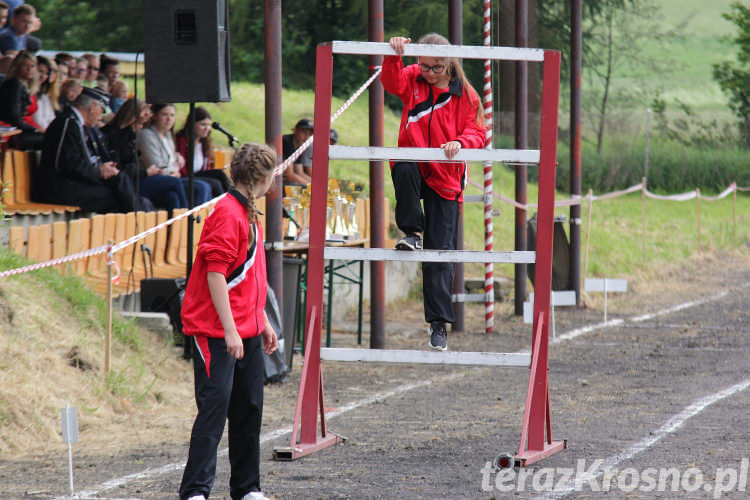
(281, 167)
(106, 249)
(576, 200)
(54, 262)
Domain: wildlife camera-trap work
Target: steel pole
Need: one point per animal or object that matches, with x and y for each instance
(521, 141)
(377, 183)
(191, 184)
(456, 35)
(575, 144)
(272, 31)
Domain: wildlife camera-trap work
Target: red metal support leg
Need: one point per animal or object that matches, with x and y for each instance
(536, 415)
(310, 399)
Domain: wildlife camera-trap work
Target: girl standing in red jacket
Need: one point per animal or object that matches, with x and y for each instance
(223, 310)
(441, 109)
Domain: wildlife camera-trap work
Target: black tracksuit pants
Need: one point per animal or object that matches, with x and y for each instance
(438, 223)
(231, 389)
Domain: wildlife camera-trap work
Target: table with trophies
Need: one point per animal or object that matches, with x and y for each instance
(341, 230)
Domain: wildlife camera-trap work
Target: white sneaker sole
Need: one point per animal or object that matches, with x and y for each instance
(438, 348)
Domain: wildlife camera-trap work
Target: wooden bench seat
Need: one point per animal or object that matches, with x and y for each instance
(16, 177)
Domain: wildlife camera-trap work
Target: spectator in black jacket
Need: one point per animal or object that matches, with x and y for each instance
(15, 99)
(76, 166)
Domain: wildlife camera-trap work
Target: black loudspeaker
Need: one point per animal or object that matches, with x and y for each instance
(164, 295)
(186, 45)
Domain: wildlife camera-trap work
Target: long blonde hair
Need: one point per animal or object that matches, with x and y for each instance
(455, 70)
(22, 56)
(251, 164)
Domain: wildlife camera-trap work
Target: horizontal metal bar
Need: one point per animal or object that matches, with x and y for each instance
(470, 297)
(460, 51)
(433, 154)
(473, 198)
(381, 254)
(425, 357)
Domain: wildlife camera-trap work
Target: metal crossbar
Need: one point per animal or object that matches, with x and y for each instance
(382, 254)
(426, 357)
(460, 51)
(433, 154)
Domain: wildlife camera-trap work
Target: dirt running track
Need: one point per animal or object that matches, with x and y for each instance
(642, 394)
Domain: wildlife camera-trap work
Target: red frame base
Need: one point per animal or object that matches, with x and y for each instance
(289, 453)
(530, 456)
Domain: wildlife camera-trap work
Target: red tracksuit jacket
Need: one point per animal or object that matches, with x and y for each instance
(432, 117)
(223, 248)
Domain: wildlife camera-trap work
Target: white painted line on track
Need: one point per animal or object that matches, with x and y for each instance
(269, 436)
(680, 307)
(149, 473)
(665, 430)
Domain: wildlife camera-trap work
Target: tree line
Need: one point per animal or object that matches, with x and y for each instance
(114, 25)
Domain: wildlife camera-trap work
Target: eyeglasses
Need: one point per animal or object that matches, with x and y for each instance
(437, 69)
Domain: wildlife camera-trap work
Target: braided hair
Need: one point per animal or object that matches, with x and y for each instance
(251, 164)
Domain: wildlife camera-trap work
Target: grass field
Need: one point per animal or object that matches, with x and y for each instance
(689, 79)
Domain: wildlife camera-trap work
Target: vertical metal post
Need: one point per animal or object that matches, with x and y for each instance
(521, 141)
(191, 187)
(576, 20)
(315, 260)
(489, 282)
(456, 35)
(646, 152)
(377, 183)
(272, 29)
(108, 326)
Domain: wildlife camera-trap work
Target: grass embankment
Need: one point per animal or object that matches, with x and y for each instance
(53, 355)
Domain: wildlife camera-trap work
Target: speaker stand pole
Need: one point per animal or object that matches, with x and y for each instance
(191, 176)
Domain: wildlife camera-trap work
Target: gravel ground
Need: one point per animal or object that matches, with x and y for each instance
(644, 396)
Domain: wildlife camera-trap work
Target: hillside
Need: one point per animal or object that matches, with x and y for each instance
(52, 333)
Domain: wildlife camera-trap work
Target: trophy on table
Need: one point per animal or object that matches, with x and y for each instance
(291, 201)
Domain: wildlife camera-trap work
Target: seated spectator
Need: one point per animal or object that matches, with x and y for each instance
(63, 72)
(156, 146)
(47, 99)
(4, 66)
(4, 11)
(15, 102)
(92, 70)
(15, 35)
(295, 174)
(110, 68)
(203, 155)
(65, 58)
(119, 94)
(163, 190)
(79, 68)
(76, 167)
(69, 90)
(102, 83)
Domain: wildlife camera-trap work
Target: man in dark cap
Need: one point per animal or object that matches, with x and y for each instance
(295, 174)
(76, 167)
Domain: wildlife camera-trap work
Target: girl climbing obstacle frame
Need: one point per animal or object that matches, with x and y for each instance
(536, 433)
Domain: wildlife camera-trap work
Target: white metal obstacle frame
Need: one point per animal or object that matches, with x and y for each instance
(537, 429)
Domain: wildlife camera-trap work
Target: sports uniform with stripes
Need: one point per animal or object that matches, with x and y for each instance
(225, 387)
(431, 117)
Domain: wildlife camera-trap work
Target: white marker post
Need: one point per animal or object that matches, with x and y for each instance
(557, 299)
(605, 285)
(70, 435)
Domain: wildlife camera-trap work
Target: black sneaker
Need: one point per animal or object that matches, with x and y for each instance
(438, 336)
(409, 242)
